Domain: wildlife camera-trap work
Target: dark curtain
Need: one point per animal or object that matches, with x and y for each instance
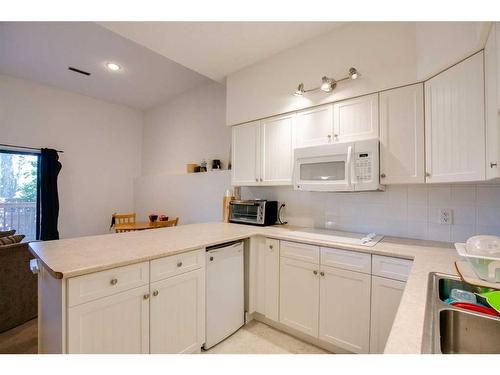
(49, 198)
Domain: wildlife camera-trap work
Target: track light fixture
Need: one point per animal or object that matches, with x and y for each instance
(327, 84)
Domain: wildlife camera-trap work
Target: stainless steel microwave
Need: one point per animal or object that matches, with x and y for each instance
(253, 212)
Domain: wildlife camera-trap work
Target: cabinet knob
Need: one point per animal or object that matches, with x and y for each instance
(179, 264)
(382, 175)
(335, 136)
(146, 296)
(256, 180)
(493, 164)
(261, 180)
(211, 258)
(315, 272)
(427, 174)
(271, 247)
(329, 137)
(155, 293)
(322, 273)
(113, 281)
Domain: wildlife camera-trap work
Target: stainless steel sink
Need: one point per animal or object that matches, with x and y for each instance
(454, 330)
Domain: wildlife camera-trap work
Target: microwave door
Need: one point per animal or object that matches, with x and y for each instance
(330, 173)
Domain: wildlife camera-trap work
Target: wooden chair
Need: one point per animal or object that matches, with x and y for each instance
(123, 219)
(168, 223)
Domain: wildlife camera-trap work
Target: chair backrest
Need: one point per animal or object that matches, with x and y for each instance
(124, 218)
(168, 223)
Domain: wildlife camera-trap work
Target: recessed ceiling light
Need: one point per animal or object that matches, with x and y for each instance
(113, 66)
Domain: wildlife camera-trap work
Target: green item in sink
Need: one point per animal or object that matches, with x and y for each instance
(493, 299)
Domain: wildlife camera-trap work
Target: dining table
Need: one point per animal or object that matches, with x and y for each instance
(141, 225)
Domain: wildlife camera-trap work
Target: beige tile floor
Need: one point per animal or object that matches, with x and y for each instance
(253, 338)
(259, 338)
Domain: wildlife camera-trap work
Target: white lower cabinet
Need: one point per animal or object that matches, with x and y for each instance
(386, 296)
(299, 295)
(344, 312)
(117, 324)
(178, 314)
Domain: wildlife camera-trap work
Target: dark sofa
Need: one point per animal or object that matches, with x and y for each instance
(18, 286)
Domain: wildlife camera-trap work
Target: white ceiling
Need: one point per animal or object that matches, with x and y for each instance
(217, 49)
(42, 52)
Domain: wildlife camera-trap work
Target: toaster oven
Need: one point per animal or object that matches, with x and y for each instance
(253, 212)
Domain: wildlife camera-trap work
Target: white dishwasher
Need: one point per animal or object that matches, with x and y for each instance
(225, 291)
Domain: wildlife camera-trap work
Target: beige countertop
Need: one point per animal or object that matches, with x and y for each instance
(78, 256)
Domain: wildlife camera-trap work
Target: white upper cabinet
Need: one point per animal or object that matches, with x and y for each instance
(492, 80)
(454, 123)
(246, 154)
(356, 119)
(277, 150)
(402, 135)
(313, 126)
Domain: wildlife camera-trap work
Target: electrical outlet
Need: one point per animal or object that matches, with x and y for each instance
(445, 216)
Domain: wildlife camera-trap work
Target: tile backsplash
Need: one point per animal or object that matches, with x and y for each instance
(402, 210)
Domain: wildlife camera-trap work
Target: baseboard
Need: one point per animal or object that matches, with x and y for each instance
(300, 335)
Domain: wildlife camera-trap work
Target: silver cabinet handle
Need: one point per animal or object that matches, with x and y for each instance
(315, 272)
(155, 293)
(493, 164)
(382, 175)
(113, 281)
(322, 273)
(179, 264)
(146, 296)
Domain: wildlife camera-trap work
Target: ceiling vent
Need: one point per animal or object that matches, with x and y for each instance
(78, 71)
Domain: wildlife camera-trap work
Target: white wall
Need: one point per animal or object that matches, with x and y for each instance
(405, 211)
(386, 54)
(186, 130)
(101, 143)
(193, 198)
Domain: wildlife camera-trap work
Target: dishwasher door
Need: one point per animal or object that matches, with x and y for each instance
(225, 308)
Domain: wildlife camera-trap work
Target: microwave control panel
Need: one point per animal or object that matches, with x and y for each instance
(363, 166)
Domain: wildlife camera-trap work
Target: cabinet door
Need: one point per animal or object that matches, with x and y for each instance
(356, 119)
(313, 126)
(492, 81)
(246, 154)
(272, 278)
(386, 295)
(299, 295)
(117, 324)
(344, 315)
(178, 314)
(277, 151)
(454, 123)
(402, 135)
(267, 277)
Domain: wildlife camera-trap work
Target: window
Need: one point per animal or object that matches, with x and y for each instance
(19, 192)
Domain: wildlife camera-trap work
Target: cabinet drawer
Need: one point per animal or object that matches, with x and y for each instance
(346, 259)
(392, 268)
(299, 251)
(86, 288)
(176, 264)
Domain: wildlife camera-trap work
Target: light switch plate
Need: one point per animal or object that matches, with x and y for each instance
(445, 216)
